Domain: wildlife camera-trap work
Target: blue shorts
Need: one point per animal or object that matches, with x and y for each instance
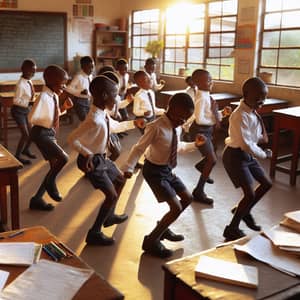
(20, 114)
(163, 183)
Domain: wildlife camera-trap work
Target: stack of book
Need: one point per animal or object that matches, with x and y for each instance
(292, 220)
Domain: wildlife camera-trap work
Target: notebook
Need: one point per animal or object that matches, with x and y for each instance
(228, 272)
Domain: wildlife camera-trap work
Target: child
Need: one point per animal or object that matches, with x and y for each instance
(191, 87)
(90, 139)
(161, 141)
(206, 117)
(79, 87)
(150, 66)
(246, 131)
(44, 117)
(122, 71)
(24, 96)
(144, 99)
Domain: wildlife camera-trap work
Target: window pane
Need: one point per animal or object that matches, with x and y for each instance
(214, 52)
(290, 4)
(271, 39)
(290, 19)
(169, 54)
(180, 41)
(154, 28)
(136, 52)
(215, 24)
(273, 5)
(228, 39)
(273, 71)
(193, 67)
(178, 66)
(136, 41)
(196, 26)
(215, 39)
(289, 58)
(269, 58)
(136, 29)
(180, 55)
(272, 21)
(195, 55)
(227, 69)
(135, 64)
(288, 77)
(226, 52)
(196, 40)
(215, 8)
(169, 68)
(144, 40)
(145, 28)
(213, 70)
(290, 38)
(229, 24)
(170, 41)
(230, 7)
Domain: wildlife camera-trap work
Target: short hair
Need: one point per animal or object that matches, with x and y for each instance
(188, 78)
(111, 75)
(150, 61)
(182, 100)
(85, 60)
(53, 73)
(121, 62)
(138, 75)
(106, 69)
(198, 73)
(28, 63)
(101, 84)
(252, 83)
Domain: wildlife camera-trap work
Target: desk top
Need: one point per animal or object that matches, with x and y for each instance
(293, 111)
(14, 82)
(8, 161)
(268, 101)
(272, 283)
(94, 288)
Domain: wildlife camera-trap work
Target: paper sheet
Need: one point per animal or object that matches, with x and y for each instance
(280, 237)
(47, 280)
(294, 215)
(17, 253)
(3, 278)
(261, 248)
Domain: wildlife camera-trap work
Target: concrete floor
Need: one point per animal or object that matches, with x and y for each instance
(136, 275)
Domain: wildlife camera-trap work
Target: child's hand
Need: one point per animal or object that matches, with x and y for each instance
(200, 140)
(227, 110)
(84, 92)
(127, 174)
(147, 113)
(129, 98)
(140, 123)
(68, 103)
(268, 153)
(162, 82)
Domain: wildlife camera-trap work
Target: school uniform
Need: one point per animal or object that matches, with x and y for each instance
(154, 85)
(192, 91)
(124, 81)
(24, 94)
(157, 170)
(80, 82)
(245, 131)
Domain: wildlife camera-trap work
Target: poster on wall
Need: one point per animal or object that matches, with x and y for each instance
(245, 37)
(8, 3)
(83, 10)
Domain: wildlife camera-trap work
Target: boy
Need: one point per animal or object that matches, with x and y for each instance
(44, 117)
(191, 87)
(161, 141)
(79, 87)
(90, 140)
(150, 66)
(246, 131)
(24, 96)
(206, 117)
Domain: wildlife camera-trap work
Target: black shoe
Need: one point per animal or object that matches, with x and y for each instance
(156, 248)
(29, 154)
(98, 239)
(23, 160)
(115, 219)
(138, 166)
(40, 204)
(249, 221)
(202, 198)
(231, 234)
(53, 192)
(171, 236)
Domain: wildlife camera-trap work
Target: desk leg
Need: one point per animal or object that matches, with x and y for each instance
(275, 144)
(295, 156)
(169, 286)
(5, 126)
(3, 205)
(14, 194)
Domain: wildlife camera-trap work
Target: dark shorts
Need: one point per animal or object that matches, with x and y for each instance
(81, 107)
(105, 172)
(163, 183)
(242, 167)
(45, 140)
(207, 131)
(20, 114)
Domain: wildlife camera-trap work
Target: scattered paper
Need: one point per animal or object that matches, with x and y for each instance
(283, 238)
(17, 253)
(3, 278)
(47, 280)
(293, 215)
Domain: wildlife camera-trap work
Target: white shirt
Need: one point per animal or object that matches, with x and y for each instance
(245, 130)
(119, 104)
(91, 135)
(42, 112)
(23, 93)
(192, 92)
(142, 104)
(124, 79)
(155, 86)
(157, 139)
(80, 82)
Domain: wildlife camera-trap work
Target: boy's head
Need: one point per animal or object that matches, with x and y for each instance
(189, 81)
(55, 78)
(142, 79)
(150, 65)
(106, 69)
(104, 91)
(122, 66)
(180, 109)
(28, 68)
(254, 92)
(202, 79)
(87, 64)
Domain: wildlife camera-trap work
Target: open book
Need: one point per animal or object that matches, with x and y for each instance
(225, 271)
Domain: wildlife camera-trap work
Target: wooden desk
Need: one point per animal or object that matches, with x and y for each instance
(9, 167)
(94, 288)
(181, 283)
(9, 85)
(287, 118)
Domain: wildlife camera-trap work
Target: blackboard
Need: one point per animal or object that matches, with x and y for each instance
(37, 35)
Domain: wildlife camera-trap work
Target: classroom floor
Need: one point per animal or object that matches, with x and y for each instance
(136, 275)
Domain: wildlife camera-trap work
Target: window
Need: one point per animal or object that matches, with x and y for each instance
(195, 36)
(145, 27)
(280, 42)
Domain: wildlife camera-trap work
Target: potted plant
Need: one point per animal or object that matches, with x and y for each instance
(154, 48)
